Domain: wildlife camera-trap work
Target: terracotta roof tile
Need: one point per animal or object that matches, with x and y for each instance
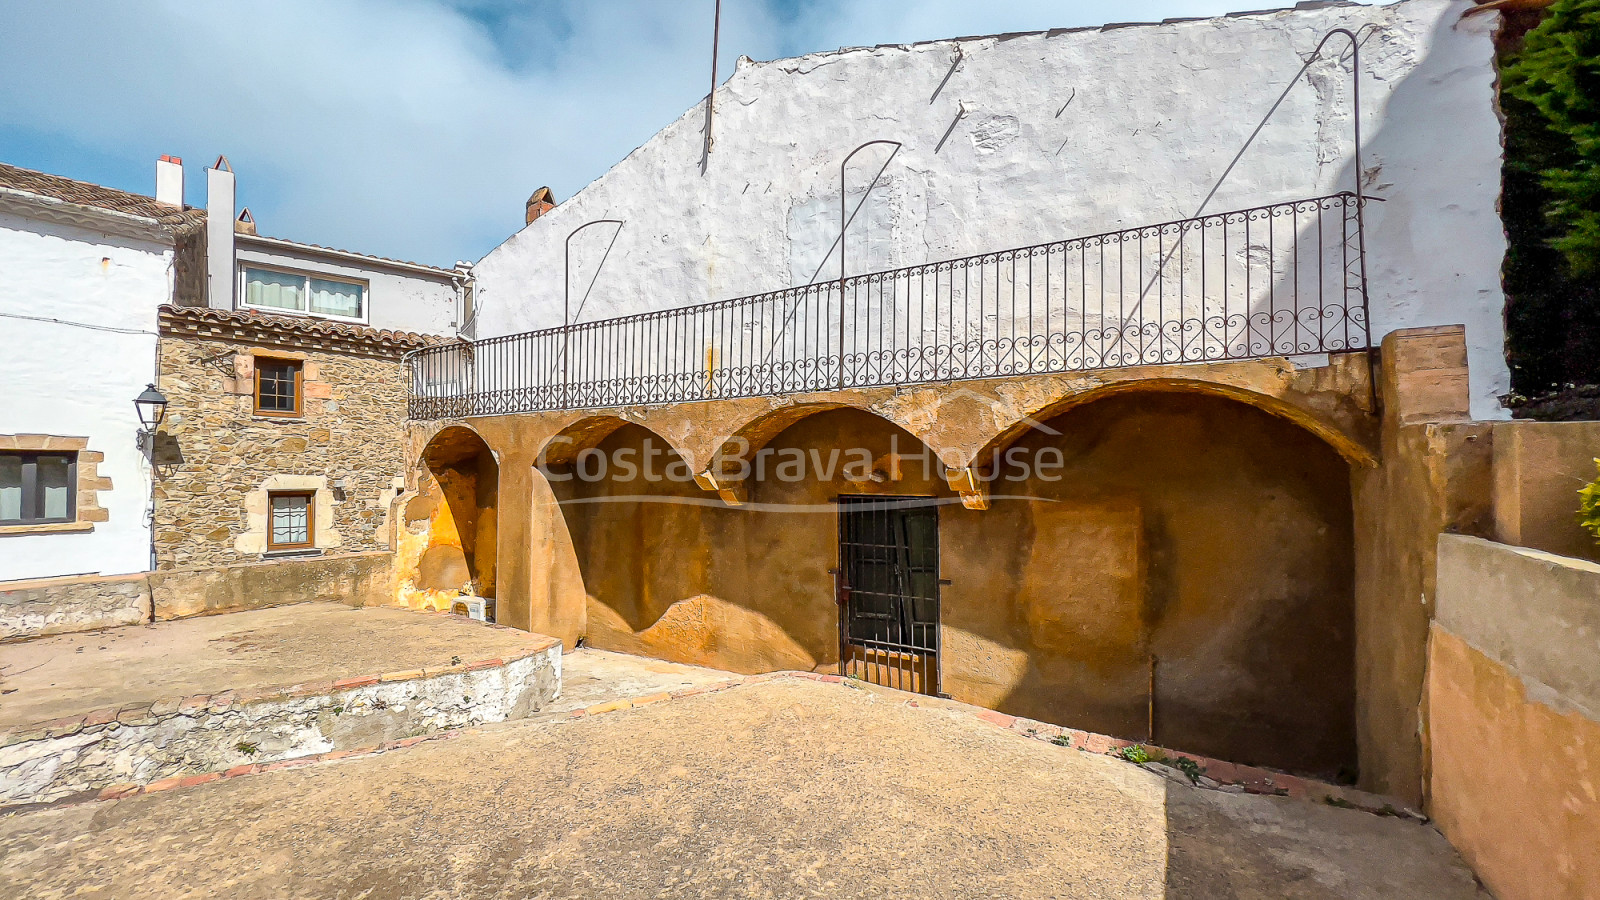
(300, 330)
(82, 193)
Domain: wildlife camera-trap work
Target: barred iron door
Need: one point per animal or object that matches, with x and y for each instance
(888, 591)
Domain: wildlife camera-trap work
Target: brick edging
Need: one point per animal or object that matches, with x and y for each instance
(198, 704)
(1250, 779)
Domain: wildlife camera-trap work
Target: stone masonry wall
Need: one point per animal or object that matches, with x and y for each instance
(182, 736)
(213, 451)
(61, 605)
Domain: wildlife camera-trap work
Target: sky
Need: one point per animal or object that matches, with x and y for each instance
(416, 129)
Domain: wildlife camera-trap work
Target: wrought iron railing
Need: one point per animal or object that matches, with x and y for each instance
(1285, 279)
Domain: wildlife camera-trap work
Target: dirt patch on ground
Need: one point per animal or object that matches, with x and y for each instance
(780, 789)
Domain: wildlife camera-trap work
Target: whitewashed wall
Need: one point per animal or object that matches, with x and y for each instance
(1055, 135)
(62, 379)
(397, 300)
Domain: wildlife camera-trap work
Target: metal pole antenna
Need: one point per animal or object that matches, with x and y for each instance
(716, 38)
(844, 222)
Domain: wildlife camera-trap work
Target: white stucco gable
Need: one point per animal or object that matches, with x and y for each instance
(1015, 140)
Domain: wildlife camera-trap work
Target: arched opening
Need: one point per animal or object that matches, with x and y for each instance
(1178, 567)
(671, 571)
(451, 523)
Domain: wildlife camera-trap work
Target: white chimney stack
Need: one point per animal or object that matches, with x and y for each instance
(219, 235)
(169, 180)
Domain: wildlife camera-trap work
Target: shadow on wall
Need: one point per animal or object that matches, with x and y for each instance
(447, 542)
(1191, 528)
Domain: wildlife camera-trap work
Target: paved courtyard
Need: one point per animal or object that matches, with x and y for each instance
(779, 789)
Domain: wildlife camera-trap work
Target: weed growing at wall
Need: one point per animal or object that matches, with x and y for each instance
(1589, 506)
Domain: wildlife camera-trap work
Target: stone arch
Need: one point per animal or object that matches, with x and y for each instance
(744, 441)
(1180, 540)
(1352, 449)
(447, 540)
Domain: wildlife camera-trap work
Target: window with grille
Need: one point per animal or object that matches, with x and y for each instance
(38, 488)
(278, 387)
(292, 520)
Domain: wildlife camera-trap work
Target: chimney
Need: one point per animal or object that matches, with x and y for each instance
(219, 235)
(245, 224)
(169, 181)
(540, 203)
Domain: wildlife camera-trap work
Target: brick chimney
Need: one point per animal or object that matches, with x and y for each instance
(169, 180)
(540, 203)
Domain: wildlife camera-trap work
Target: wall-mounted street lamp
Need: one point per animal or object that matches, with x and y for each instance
(152, 408)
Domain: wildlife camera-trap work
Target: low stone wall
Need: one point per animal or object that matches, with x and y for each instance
(357, 579)
(181, 736)
(1539, 468)
(46, 606)
(61, 605)
(1514, 717)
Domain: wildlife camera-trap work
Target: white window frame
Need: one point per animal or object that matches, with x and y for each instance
(307, 275)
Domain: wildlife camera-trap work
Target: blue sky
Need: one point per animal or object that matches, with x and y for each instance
(417, 128)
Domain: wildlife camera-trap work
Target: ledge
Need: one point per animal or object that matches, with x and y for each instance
(49, 528)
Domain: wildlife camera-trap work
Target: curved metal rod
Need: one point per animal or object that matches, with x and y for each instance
(844, 223)
(566, 290)
(1355, 86)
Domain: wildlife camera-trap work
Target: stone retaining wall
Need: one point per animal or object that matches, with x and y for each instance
(181, 736)
(44, 606)
(1514, 717)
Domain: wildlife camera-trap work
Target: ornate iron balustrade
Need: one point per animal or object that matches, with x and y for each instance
(1277, 280)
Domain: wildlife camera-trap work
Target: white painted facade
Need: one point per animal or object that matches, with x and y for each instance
(1016, 140)
(99, 278)
(399, 296)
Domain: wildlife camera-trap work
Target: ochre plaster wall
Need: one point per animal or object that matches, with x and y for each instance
(1190, 527)
(447, 534)
(1418, 466)
(1539, 467)
(1514, 717)
(1514, 781)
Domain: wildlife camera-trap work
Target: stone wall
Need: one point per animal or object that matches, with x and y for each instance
(216, 458)
(182, 736)
(1514, 717)
(60, 605)
(356, 579)
(30, 609)
(1539, 467)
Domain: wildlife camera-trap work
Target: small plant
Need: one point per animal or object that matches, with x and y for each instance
(1338, 802)
(1187, 766)
(247, 748)
(1136, 754)
(455, 660)
(1589, 506)
(337, 710)
(1062, 740)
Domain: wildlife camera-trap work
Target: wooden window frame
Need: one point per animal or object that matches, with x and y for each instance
(30, 478)
(310, 542)
(299, 367)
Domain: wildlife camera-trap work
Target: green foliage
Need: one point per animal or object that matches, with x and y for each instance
(1135, 754)
(1557, 74)
(1589, 506)
(1188, 767)
(247, 748)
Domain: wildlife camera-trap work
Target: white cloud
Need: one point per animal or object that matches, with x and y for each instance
(416, 128)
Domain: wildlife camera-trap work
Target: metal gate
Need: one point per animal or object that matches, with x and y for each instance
(888, 591)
